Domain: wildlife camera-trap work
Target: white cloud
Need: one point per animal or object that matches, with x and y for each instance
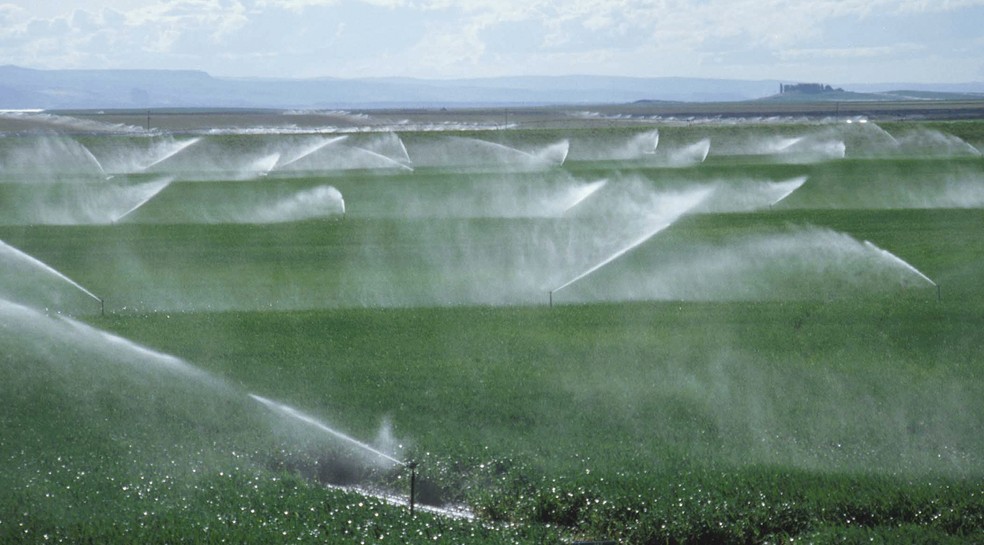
(10, 12)
(471, 37)
(170, 20)
(296, 6)
(11, 21)
(850, 52)
(931, 6)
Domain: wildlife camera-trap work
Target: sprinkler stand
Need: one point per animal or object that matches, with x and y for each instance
(413, 484)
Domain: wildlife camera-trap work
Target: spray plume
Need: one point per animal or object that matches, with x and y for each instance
(311, 421)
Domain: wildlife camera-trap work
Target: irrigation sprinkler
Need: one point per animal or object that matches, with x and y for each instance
(413, 484)
(551, 298)
(939, 296)
(102, 307)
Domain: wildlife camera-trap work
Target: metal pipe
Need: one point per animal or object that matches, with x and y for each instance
(413, 484)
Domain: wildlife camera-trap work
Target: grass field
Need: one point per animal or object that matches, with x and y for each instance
(753, 333)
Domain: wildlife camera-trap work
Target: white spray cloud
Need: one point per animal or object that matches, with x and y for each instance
(318, 202)
(800, 264)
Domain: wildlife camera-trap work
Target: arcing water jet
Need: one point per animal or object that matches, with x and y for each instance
(91, 365)
(883, 132)
(904, 264)
(403, 150)
(313, 422)
(582, 193)
(638, 147)
(34, 263)
(691, 154)
(265, 164)
(311, 203)
(554, 153)
(656, 223)
(50, 155)
(321, 426)
(784, 144)
(155, 189)
(308, 151)
(800, 263)
(496, 153)
(632, 245)
(898, 261)
(385, 159)
(178, 148)
(99, 166)
(786, 188)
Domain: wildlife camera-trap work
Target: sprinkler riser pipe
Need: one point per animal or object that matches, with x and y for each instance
(413, 485)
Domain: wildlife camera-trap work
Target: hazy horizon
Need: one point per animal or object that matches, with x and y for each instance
(842, 42)
(885, 84)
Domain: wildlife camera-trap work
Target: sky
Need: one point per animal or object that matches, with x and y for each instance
(829, 41)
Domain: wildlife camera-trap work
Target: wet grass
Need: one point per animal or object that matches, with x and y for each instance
(616, 367)
(596, 421)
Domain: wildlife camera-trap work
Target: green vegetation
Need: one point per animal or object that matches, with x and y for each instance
(749, 374)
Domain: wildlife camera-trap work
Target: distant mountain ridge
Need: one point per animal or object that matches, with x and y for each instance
(23, 88)
(68, 89)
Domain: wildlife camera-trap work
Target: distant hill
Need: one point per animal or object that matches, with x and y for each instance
(931, 95)
(23, 88)
(813, 92)
(70, 89)
(970, 88)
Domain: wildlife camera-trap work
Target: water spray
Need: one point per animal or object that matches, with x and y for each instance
(312, 149)
(160, 186)
(787, 188)
(906, 265)
(388, 160)
(178, 148)
(37, 263)
(646, 236)
(552, 154)
(265, 164)
(582, 193)
(294, 413)
(95, 160)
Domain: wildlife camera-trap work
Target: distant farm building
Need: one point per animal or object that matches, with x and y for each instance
(806, 88)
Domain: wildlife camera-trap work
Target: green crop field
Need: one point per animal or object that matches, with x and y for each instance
(759, 332)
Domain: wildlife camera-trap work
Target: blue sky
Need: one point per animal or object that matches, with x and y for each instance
(833, 41)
